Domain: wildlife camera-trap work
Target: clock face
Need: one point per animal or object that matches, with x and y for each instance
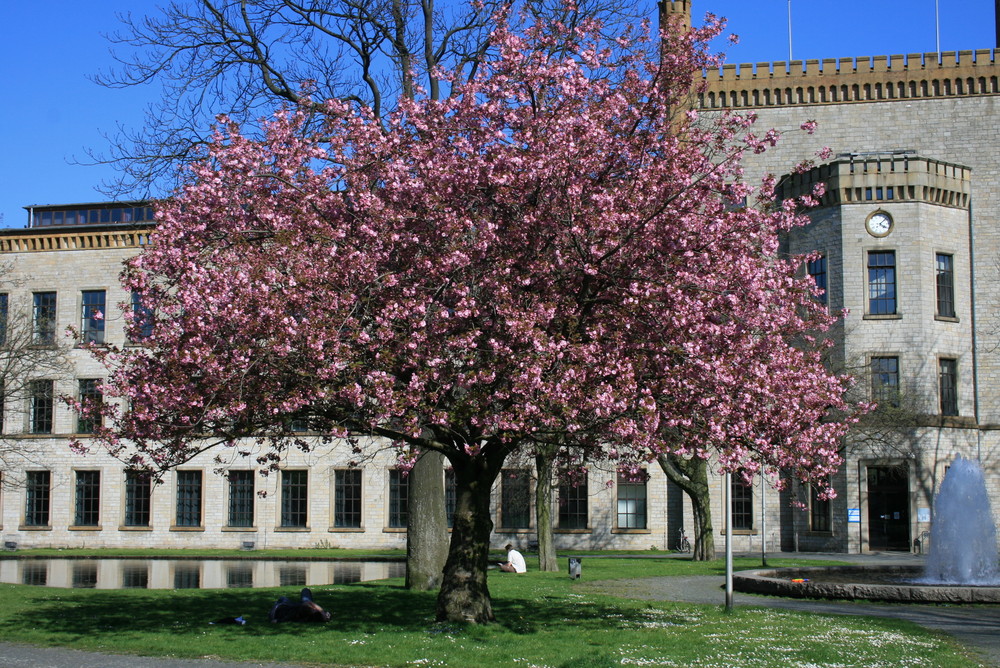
(879, 224)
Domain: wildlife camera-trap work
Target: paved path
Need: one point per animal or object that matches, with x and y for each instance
(977, 627)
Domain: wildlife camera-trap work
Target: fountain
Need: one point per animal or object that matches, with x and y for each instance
(960, 568)
(963, 536)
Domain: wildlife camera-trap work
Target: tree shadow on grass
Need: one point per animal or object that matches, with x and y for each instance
(68, 614)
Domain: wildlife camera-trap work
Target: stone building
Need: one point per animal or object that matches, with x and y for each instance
(908, 241)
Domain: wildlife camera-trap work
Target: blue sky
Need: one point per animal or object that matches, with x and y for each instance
(51, 113)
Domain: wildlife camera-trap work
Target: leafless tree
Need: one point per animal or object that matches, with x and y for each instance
(242, 57)
(24, 358)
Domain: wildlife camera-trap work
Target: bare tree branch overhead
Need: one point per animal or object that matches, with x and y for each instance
(242, 57)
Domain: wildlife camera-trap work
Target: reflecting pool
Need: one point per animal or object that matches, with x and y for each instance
(191, 573)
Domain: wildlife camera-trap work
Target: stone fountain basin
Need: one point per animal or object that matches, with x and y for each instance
(872, 583)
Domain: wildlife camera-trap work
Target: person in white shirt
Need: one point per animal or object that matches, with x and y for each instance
(515, 561)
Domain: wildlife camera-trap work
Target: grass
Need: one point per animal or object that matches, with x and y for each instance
(544, 619)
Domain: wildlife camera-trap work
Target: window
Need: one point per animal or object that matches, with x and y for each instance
(631, 502)
(36, 498)
(398, 499)
(820, 511)
(88, 499)
(948, 386)
(4, 312)
(294, 498)
(945, 283)
(43, 318)
(188, 499)
(92, 316)
(742, 500)
(91, 399)
(885, 381)
(882, 282)
(450, 496)
(817, 270)
(515, 499)
(141, 327)
(40, 407)
(573, 506)
(241, 495)
(138, 491)
(347, 498)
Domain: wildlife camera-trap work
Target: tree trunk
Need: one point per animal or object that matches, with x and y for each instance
(464, 596)
(543, 514)
(427, 526)
(691, 475)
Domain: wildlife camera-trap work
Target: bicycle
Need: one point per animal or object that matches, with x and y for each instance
(683, 544)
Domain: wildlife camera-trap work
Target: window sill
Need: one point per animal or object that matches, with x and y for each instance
(393, 529)
(346, 530)
(513, 530)
(818, 534)
(635, 531)
(572, 531)
(84, 527)
(128, 527)
(177, 528)
(740, 532)
(250, 529)
(292, 529)
(946, 318)
(879, 316)
(25, 527)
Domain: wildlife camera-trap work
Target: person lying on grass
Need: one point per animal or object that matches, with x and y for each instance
(306, 610)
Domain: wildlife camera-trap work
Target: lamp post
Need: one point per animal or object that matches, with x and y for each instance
(729, 541)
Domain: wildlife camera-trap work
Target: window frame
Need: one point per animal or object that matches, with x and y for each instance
(948, 399)
(817, 269)
(241, 491)
(87, 498)
(138, 502)
(38, 499)
(92, 327)
(398, 511)
(41, 406)
(882, 392)
(348, 498)
(742, 504)
(635, 506)
(89, 392)
(882, 274)
(944, 286)
(573, 512)
(188, 499)
(820, 512)
(515, 499)
(294, 506)
(44, 317)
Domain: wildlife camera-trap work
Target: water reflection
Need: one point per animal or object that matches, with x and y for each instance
(191, 573)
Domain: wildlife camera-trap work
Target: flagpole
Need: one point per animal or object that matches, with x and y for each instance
(790, 30)
(937, 26)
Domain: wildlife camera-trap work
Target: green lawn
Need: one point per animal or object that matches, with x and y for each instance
(544, 619)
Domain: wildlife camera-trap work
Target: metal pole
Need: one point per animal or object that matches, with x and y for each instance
(790, 30)
(937, 26)
(729, 540)
(763, 521)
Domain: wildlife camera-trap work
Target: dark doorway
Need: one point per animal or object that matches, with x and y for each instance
(888, 508)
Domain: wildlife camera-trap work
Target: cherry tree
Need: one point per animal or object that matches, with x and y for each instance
(555, 254)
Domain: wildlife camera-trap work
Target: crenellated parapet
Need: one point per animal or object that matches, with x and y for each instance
(882, 178)
(847, 80)
(68, 239)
